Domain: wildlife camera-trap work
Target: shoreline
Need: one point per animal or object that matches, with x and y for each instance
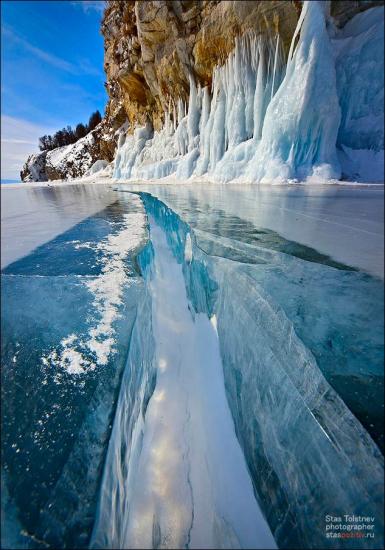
(191, 181)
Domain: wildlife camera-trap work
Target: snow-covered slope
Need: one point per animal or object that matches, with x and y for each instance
(88, 155)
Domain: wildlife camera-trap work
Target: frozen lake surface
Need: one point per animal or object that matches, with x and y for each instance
(190, 366)
(344, 222)
(32, 216)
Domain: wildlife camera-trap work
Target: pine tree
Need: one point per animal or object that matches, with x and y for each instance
(67, 135)
(94, 120)
(80, 131)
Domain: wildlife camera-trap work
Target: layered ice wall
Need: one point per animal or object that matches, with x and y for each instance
(268, 120)
(359, 53)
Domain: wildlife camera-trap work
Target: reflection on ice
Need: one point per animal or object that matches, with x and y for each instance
(345, 223)
(188, 461)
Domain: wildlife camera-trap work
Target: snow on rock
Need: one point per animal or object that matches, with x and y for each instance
(34, 168)
(87, 156)
(97, 167)
(72, 160)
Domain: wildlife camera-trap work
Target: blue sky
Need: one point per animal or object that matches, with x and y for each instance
(51, 72)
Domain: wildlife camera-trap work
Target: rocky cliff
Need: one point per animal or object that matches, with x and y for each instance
(153, 49)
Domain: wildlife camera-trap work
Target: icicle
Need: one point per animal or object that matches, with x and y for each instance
(170, 119)
(166, 122)
(259, 94)
(193, 115)
(297, 30)
(248, 83)
(235, 98)
(174, 115)
(217, 136)
(290, 121)
(181, 113)
(275, 66)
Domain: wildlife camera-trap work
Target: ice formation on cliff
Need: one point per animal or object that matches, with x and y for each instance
(360, 84)
(267, 120)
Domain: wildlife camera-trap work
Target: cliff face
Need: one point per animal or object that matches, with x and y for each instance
(153, 48)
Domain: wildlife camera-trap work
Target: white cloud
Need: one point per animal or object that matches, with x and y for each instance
(19, 138)
(84, 66)
(41, 54)
(90, 5)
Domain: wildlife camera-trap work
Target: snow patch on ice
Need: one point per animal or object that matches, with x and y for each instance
(69, 358)
(107, 291)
